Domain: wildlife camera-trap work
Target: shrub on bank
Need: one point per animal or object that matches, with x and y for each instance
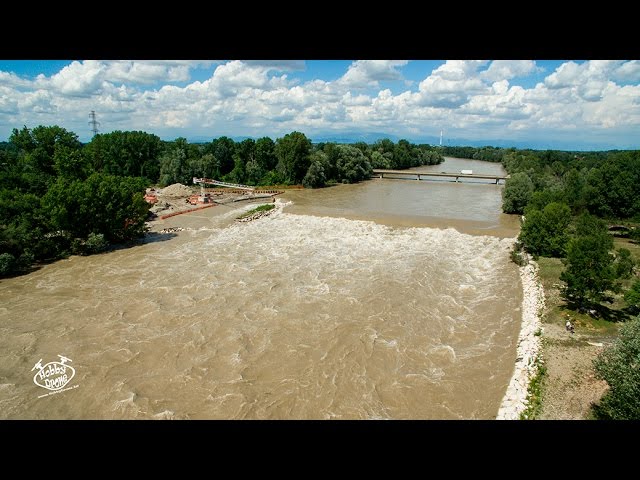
(7, 263)
(619, 366)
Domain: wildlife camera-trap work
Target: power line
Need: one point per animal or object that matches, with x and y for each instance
(94, 124)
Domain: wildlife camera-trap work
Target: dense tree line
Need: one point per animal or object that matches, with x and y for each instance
(58, 196)
(54, 200)
(567, 199)
(488, 154)
(605, 184)
(291, 159)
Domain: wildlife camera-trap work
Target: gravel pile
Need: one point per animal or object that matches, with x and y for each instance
(176, 190)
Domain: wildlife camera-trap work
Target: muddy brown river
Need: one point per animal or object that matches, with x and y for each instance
(389, 299)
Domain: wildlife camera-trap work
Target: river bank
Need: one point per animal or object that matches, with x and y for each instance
(529, 343)
(567, 387)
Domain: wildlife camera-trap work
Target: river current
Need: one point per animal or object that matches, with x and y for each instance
(389, 299)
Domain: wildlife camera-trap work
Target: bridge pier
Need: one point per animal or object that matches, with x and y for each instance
(456, 176)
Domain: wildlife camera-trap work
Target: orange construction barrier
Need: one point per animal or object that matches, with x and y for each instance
(173, 214)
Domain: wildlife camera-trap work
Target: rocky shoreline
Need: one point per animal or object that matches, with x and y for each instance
(260, 214)
(514, 401)
(255, 216)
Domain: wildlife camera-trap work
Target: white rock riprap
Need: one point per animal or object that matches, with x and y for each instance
(515, 400)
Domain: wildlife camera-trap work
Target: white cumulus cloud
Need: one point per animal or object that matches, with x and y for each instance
(508, 69)
(469, 98)
(364, 73)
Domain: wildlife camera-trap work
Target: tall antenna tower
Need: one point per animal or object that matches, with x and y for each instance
(94, 123)
(440, 137)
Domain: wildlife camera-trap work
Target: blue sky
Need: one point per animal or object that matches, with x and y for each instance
(570, 104)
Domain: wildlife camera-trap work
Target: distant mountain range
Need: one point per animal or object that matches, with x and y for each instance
(372, 137)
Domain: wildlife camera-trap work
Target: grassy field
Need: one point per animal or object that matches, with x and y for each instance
(606, 322)
(568, 386)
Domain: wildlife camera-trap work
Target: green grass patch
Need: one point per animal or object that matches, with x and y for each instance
(534, 393)
(558, 313)
(261, 208)
(550, 269)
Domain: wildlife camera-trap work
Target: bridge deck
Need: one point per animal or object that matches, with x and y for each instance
(482, 176)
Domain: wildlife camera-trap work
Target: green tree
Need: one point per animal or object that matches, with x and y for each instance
(95, 243)
(430, 157)
(70, 163)
(613, 187)
(102, 204)
(272, 177)
(293, 152)
(545, 232)
(24, 228)
(573, 190)
(516, 193)
(245, 152)
(253, 172)
(589, 270)
(223, 149)
(363, 147)
(403, 155)
(332, 153)
(619, 366)
(384, 145)
(625, 264)
(174, 166)
(7, 264)
(42, 141)
(206, 166)
(315, 176)
(129, 153)
(352, 165)
(36, 151)
(632, 296)
(542, 198)
(380, 160)
(265, 154)
(586, 225)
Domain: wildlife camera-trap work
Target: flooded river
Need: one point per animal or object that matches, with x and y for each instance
(346, 304)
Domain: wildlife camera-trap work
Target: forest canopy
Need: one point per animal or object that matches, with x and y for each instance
(59, 196)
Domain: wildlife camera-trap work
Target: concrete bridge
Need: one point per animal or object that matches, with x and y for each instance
(406, 173)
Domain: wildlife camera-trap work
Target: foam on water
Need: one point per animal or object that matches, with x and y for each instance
(290, 316)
